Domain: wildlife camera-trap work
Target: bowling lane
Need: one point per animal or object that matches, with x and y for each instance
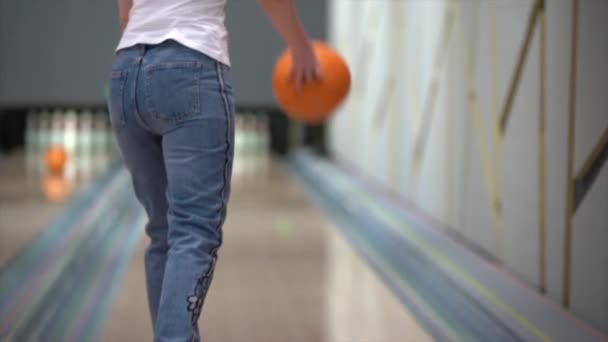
(29, 196)
(284, 274)
(20, 197)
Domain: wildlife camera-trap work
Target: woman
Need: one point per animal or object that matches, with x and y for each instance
(172, 109)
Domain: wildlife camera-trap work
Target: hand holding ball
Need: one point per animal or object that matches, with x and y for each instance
(317, 100)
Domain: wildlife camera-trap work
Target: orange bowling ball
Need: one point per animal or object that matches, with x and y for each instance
(56, 158)
(316, 100)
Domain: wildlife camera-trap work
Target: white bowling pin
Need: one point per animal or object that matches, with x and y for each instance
(237, 165)
(45, 131)
(70, 130)
(56, 138)
(85, 144)
(100, 152)
(31, 142)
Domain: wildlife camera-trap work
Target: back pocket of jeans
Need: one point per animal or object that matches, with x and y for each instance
(116, 94)
(172, 90)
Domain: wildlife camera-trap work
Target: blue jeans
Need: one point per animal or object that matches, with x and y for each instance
(172, 111)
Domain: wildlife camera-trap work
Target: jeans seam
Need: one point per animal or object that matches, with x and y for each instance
(137, 114)
(222, 211)
(119, 98)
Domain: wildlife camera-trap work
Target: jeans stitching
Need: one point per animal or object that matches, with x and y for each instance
(121, 77)
(195, 302)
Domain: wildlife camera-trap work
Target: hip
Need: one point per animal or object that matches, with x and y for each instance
(169, 82)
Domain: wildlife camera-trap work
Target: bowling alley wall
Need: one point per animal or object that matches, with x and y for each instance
(491, 116)
(60, 52)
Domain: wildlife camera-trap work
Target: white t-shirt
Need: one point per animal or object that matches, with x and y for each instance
(197, 24)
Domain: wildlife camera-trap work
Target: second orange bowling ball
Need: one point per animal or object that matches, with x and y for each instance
(56, 158)
(317, 100)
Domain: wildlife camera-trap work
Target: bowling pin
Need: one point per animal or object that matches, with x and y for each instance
(237, 166)
(264, 144)
(31, 123)
(31, 142)
(44, 131)
(107, 132)
(70, 131)
(70, 127)
(44, 134)
(85, 144)
(256, 140)
(238, 133)
(248, 144)
(100, 153)
(56, 127)
(57, 121)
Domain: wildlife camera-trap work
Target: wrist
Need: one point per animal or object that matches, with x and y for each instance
(302, 44)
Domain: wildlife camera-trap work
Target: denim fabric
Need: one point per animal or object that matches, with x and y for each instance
(172, 111)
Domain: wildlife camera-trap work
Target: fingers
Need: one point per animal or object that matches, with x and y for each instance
(308, 75)
(304, 74)
(295, 77)
(317, 72)
(298, 79)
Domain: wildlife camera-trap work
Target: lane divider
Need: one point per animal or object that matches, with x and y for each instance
(351, 191)
(60, 286)
(11, 273)
(40, 276)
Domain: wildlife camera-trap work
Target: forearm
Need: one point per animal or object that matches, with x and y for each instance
(124, 7)
(283, 16)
